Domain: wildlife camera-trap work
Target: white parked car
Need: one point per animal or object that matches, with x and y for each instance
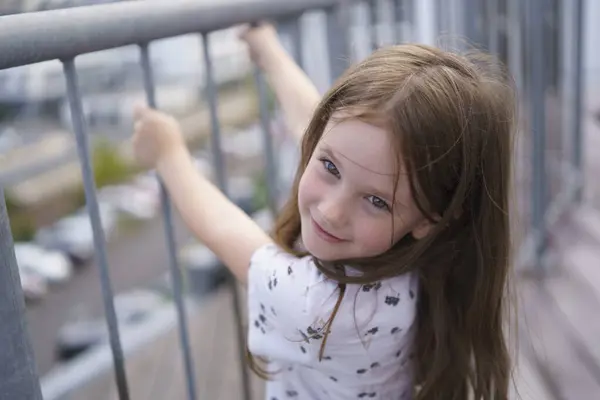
(131, 201)
(52, 265)
(108, 216)
(34, 286)
(73, 235)
(9, 139)
(147, 183)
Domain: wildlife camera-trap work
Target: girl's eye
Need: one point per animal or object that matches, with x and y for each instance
(378, 203)
(330, 167)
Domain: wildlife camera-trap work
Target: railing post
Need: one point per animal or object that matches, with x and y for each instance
(373, 23)
(537, 99)
(215, 137)
(81, 136)
(577, 114)
(492, 22)
(219, 163)
(267, 134)
(398, 10)
(404, 15)
(441, 17)
(514, 10)
(265, 122)
(167, 212)
(18, 373)
(337, 39)
(292, 28)
(474, 22)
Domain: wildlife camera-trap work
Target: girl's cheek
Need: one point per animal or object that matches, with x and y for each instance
(375, 239)
(310, 184)
(305, 190)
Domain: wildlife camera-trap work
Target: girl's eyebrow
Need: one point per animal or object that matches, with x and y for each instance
(331, 153)
(379, 193)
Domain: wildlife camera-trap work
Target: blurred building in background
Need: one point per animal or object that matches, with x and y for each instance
(111, 79)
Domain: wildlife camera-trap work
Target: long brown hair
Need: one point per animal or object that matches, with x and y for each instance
(452, 117)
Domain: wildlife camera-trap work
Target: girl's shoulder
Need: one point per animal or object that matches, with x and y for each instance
(275, 267)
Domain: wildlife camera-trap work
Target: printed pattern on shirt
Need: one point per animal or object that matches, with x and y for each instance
(368, 349)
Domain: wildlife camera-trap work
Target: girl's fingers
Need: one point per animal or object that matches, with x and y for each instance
(139, 110)
(242, 30)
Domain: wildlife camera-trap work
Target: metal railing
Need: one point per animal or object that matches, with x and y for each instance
(514, 29)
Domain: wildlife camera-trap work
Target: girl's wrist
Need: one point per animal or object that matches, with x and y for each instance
(274, 56)
(171, 157)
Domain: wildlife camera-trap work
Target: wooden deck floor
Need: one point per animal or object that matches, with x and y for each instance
(559, 323)
(155, 371)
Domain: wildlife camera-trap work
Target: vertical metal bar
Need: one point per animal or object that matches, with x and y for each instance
(537, 100)
(297, 41)
(219, 163)
(373, 24)
(502, 30)
(577, 114)
(492, 23)
(515, 45)
(455, 24)
(566, 91)
(18, 375)
(398, 18)
(386, 22)
(81, 136)
(409, 20)
(186, 350)
(271, 166)
(215, 139)
(552, 31)
(440, 13)
(337, 39)
(473, 16)
(293, 28)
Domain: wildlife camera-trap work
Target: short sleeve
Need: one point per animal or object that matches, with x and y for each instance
(289, 302)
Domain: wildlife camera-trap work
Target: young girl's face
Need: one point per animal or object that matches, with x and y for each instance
(346, 192)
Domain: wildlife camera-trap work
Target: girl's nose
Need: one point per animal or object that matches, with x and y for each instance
(334, 212)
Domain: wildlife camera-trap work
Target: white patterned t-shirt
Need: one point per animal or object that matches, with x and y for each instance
(368, 351)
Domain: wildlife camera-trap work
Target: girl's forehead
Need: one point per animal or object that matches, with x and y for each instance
(364, 145)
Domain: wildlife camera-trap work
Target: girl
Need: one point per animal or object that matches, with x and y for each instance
(386, 274)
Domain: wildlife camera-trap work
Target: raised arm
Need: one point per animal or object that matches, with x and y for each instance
(294, 90)
(218, 223)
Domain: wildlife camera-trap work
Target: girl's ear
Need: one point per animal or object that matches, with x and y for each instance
(422, 229)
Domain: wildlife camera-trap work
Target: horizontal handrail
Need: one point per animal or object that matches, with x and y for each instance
(63, 34)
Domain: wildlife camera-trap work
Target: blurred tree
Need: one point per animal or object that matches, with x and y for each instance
(21, 223)
(108, 164)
